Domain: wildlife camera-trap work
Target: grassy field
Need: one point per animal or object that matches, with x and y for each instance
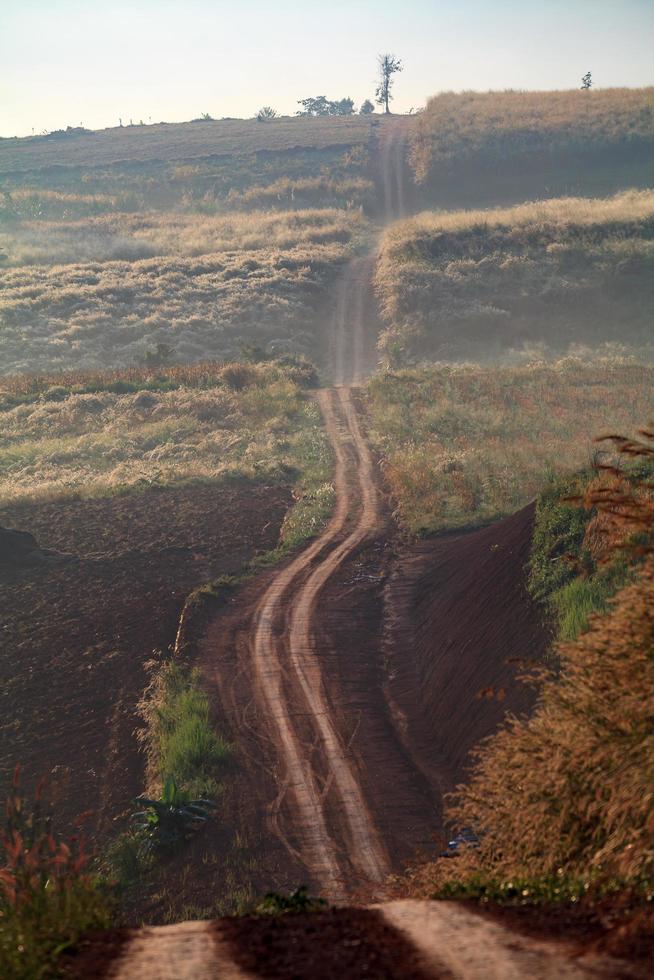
(464, 445)
(180, 141)
(548, 274)
(493, 147)
(106, 434)
(200, 236)
(101, 291)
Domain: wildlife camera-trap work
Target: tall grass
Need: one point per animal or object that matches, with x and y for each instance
(486, 283)
(492, 127)
(100, 292)
(467, 444)
(110, 433)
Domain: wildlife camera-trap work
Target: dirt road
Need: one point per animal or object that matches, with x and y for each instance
(321, 793)
(288, 672)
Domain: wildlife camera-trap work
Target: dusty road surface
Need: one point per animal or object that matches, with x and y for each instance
(403, 940)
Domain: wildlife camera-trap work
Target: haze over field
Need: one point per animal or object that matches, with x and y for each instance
(327, 490)
(166, 61)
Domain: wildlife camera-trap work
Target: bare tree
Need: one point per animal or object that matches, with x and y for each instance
(388, 65)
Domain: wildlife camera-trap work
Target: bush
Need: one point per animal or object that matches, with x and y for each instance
(571, 787)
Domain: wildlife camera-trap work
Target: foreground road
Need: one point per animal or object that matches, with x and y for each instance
(406, 940)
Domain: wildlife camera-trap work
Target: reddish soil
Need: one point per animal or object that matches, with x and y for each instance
(77, 634)
(382, 658)
(338, 943)
(460, 628)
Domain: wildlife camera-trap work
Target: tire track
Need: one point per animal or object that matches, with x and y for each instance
(319, 780)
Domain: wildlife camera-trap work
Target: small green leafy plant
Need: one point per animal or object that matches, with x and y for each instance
(275, 903)
(168, 821)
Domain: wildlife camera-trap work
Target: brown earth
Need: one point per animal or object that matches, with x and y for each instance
(76, 635)
(460, 628)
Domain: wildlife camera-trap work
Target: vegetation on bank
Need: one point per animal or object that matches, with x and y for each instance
(48, 898)
(548, 275)
(561, 801)
(98, 434)
(575, 567)
(461, 445)
(488, 147)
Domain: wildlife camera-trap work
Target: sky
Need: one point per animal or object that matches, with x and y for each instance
(66, 62)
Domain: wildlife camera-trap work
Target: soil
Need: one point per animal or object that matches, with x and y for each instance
(460, 631)
(78, 634)
(337, 943)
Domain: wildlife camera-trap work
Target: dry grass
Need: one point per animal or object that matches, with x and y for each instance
(466, 444)
(484, 283)
(181, 141)
(492, 126)
(211, 426)
(201, 285)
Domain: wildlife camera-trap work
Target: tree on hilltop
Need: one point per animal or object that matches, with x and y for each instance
(586, 81)
(319, 105)
(388, 65)
(314, 106)
(343, 107)
(366, 108)
(266, 113)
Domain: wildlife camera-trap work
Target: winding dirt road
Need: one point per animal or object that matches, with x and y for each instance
(321, 793)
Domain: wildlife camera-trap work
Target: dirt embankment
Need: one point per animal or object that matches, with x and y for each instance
(76, 633)
(460, 627)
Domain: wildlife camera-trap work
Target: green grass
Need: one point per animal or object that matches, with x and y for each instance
(180, 741)
(565, 577)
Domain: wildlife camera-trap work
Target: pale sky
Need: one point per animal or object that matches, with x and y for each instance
(66, 62)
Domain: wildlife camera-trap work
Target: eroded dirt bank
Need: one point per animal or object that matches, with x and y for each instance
(459, 629)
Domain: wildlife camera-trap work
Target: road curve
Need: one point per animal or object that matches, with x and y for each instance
(331, 826)
(287, 670)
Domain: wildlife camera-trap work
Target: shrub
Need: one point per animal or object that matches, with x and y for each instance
(571, 787)
(47, 897)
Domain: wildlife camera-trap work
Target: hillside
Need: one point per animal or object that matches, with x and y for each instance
(204, 237)
(543, 277)
(179, 141)
(487, 148)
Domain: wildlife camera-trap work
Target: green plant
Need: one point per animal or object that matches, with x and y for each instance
(172, 818)
(184, 752)
(48, 899)
(275, 903)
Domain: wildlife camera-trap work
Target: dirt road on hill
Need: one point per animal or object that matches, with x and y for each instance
(331, 817)
(288, 669)
(306, 713)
